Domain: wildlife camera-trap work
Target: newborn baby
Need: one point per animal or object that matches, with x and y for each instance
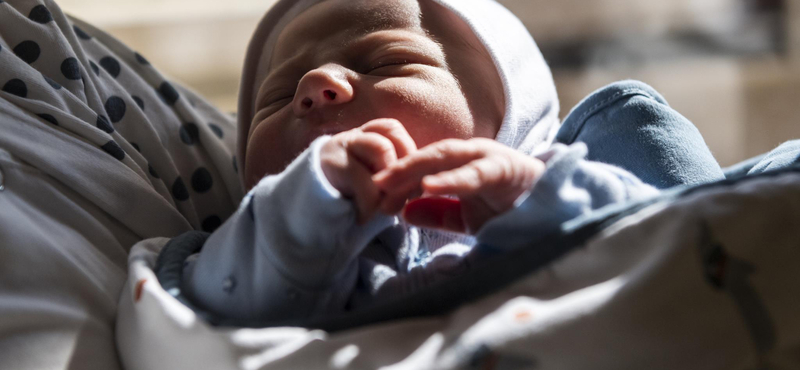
(387, 81)
(380, 143)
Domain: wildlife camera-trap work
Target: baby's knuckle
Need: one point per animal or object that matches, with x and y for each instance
(484, 143)
(504, 165)
(385, 125)
(387, 122)
(346, 138)
(393, 124)
(481, 141)
(452, 143)
(506, 168)
(494, 171)
(332, 149)
(381, 144)
(483, 171)
(452, 146)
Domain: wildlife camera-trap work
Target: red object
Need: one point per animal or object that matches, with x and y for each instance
(138, 291)
(435, 212)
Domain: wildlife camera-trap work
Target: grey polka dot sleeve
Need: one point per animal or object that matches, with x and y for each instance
(69, 79)
(98, 151)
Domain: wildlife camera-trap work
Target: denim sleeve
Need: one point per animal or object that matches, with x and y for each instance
(785, 155)
(630, 125)
(288, 252)
(570, 187)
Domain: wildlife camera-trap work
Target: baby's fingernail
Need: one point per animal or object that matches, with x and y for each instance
(433, 181)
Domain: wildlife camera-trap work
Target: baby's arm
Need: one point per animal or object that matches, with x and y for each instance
(290, 250)
(285, 253)
(566, 186)
(505, 197)
(570, 187)
(486, 176)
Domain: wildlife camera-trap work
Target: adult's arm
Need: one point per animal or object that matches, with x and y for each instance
(98, 151)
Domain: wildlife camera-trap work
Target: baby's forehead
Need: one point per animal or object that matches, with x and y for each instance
(348, 19)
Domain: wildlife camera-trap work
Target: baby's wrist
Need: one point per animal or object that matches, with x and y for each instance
(316, 152)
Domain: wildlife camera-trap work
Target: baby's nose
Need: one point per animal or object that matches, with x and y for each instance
(321, 87)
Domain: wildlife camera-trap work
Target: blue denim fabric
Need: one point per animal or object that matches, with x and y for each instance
(741, 169)
(630, 125)
(786, 155)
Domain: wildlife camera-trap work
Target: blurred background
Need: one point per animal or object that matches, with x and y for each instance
(730, 66)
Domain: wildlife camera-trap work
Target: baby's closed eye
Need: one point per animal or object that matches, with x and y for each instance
(394, 56)
(396, 62)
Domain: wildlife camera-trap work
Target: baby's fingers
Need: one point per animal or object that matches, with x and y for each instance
(469, 179)
(405, 176)
(402, 180)
(497, 181)
(361, 190)
(393, 130)
(373, 150)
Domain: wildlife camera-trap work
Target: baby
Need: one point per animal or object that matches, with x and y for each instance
(353, 112)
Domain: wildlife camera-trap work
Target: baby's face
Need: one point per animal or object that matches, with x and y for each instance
(343, 63)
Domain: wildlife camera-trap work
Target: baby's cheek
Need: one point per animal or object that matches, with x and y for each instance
(447, 102)
(430, 107)
(268, 152)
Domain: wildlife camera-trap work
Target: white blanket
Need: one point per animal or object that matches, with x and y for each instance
(708, 281)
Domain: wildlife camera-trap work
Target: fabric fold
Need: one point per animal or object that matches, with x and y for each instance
(98, 151)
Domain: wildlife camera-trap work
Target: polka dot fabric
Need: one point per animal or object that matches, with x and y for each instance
(104, 108)
(98, 152)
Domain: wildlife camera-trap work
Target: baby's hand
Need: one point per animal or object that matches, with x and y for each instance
(350, 159)
(486, 176)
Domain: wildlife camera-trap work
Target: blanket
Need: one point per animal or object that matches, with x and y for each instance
(698, 278)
